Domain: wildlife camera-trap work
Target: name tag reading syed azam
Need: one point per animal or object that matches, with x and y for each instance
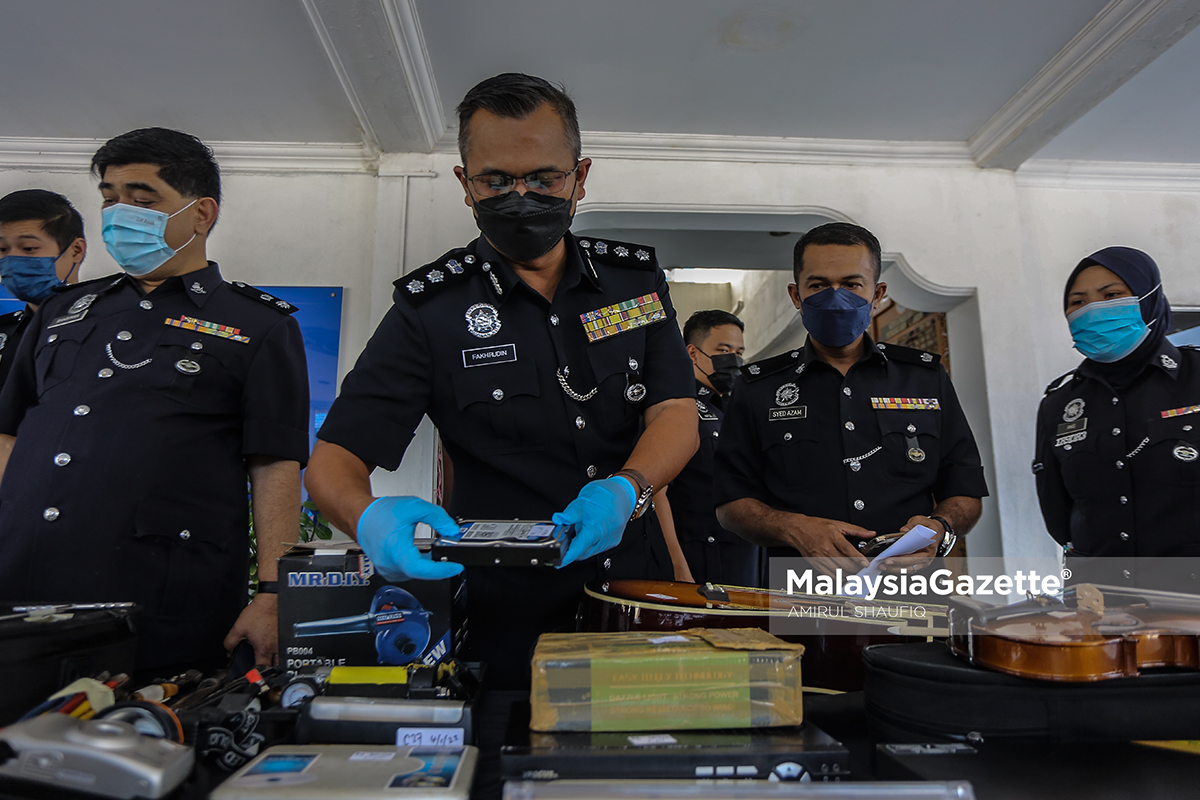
(496, 354)
(624, 316)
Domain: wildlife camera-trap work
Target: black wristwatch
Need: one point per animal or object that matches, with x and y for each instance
(645, 491)
(268, 587)
(948, 540)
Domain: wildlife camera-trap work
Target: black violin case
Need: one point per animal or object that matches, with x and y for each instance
(924, 693)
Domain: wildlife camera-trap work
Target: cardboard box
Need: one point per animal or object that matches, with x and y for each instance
(645, 680)
(335, 611)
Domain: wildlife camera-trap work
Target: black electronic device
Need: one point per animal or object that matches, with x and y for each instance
(511, 543)
(799, 753)
(105, 757)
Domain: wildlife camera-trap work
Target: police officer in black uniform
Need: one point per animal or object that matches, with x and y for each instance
(845, 438)
(536, 354)
(41, 248)
(140, 404)
(715, 342)
(1117, 462)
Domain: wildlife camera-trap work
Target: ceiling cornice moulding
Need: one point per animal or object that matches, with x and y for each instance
(1115, 45)
(235, 158)
(765, 149)
(1122, 176)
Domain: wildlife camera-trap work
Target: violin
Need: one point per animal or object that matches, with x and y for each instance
(842, 626)
(1094, 633)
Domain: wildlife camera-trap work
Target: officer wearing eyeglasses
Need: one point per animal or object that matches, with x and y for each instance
(537, 354)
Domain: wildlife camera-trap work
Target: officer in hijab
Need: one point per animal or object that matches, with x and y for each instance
(1117, 462)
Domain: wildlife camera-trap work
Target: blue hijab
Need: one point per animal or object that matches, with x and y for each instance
(1141, 275)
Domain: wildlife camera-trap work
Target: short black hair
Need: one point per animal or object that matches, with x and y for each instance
(516, 95)
(843, 233)
(57, 216)
(184, 162)
(700, 325)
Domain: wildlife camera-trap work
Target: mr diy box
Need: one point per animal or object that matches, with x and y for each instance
(335, 611)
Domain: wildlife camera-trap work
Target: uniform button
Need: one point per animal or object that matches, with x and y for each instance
(82, 411)
(62, 459)
(911, 429)
(197, 346)
(104, 373)
(1116, 431)
(591, 470)
(716, 434)
(712, 539)
(1187, 427)
(1123, 499)
(855, 466)
(52, 338)
(146, 304)
(849, 426)
(1115, 401)
(1125, 572)
(580, 423)
(608, 563)
(796, 354)
(1124, 536)
(185, 534)
(50, 514)
(1120, 464)
(787, 437)
(498, 394)
(633, 364)
(1066, 447)
(124, 336)
(860, 505)
(846, 391)
(554, 319)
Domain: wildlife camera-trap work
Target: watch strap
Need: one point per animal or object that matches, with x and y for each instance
(268, 587)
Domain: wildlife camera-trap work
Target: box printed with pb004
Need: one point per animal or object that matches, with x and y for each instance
(335, 611)
(699, 678)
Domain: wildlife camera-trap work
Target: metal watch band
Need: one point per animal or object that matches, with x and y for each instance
(644, 494)
(949, 539)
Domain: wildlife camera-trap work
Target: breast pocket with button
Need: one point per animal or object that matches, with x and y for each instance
(617, 366)
(787, 448)
(194, 369)
(56, 353)
(1174, 449)
(499, 407)
(911, 443)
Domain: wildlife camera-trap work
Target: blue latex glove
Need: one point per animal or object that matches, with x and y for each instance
(385, 533)
(599, 515)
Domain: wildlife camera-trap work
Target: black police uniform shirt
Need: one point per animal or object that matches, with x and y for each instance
(1118, 470)
(529, 408)
(12, 328)
(873, 448)
(713, 554)
(134, 414)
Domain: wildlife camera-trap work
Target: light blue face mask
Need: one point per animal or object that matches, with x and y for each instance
(134, 237)
(1109, 330)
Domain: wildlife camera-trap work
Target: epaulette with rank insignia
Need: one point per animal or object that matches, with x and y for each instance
(12, 316)
(769, 366)
(430, 280)
(910, 355)
(282, 306)
(617, 254)
(1060, 382)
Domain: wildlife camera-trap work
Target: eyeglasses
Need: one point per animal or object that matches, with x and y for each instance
(549, 181)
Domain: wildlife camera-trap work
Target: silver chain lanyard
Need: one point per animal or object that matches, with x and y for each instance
(571, 393)
(116, 363)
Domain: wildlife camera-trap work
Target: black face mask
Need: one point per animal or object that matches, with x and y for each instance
(523, 226)
(725, 371)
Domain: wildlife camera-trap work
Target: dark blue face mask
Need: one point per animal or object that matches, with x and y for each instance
(836, 317)
(31, 278)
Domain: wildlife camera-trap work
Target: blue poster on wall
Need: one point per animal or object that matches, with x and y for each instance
(320, 318)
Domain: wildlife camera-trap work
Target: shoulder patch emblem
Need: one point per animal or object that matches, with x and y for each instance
(282, 306)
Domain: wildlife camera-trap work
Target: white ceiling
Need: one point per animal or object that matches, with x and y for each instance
(988, 80)
(831, 69)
